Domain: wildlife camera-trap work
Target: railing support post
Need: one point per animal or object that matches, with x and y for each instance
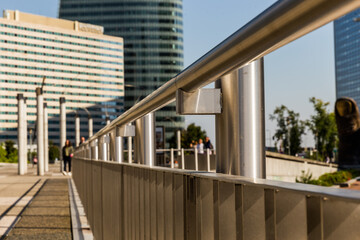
(119, 148)
(62, 129)
(208, 159)
(46, 139)
(103, 147)
(240, 126)
(90, 126)
(196, 158)
(145, 140)
(22, 133)
(40, 131)
(77, 129)
(94, 149)
(178, 133)
(129, 149)
(172, 157)
(182, 159)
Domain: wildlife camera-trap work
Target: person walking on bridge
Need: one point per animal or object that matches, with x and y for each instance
(67, 152)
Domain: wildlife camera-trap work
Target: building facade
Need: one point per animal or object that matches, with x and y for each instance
(69, 59)
(153, 44)
(347, 56)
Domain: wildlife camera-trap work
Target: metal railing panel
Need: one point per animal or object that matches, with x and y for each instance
(179, 206)
(227, 215)
(290, 215)
(97, 199)
(253, 212)
(89, 192)
(168, 206)
(205, 209)
(142, 202)
(175, 204)
(314, 218)
(341, 219)
(111, 199)
(153, 205)
(147, 205)
(160, 213)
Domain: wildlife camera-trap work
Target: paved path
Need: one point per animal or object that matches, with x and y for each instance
(34, 207)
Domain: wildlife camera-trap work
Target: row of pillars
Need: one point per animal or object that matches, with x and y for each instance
(42, 132)
(240, 134)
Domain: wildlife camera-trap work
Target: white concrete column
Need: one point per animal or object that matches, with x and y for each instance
(62, 129)
(90, 123)
(77, 129)
(46, 139)
(40, 131)
(22, 133)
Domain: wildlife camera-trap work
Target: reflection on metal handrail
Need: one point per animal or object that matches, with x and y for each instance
(277, 26)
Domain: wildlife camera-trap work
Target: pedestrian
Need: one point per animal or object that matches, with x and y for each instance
(82, 140)
(208, 143)
(67, 153)
(200, 147)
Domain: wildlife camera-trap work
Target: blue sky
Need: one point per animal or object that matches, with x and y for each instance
(293, 74)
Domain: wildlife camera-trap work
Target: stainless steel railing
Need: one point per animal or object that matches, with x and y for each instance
(128, 201)
(277, 26)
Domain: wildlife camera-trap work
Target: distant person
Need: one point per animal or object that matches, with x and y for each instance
(82, 140)
(68, 152)
(200, 147)
(208, 143)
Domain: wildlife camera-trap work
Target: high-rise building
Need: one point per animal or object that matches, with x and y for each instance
(153, 44)
(347, 55)
(75, 60)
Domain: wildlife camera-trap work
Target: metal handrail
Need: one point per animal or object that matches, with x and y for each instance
(280, 24)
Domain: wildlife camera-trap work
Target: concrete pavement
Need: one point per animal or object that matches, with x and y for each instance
(34, 207)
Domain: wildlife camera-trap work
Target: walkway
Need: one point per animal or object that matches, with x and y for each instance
(34, 207)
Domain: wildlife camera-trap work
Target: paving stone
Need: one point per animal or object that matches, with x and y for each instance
(40, 233)
(57, 193)
(37, 203)
(44, 222)
(6, 221)
(15, 211)
(52, 198)
(55, 211)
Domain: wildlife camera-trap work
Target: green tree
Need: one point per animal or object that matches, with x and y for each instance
(2, 153)
(54, 152)
(290, 129)
(191, 133)
(323, 126)
(11, 151)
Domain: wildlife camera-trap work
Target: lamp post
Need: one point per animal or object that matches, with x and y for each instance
(288, 132)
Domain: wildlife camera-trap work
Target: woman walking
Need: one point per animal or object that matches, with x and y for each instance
(67, 152)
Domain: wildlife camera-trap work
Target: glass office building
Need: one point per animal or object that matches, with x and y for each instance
(75, 60)
(153, 44)
(347, 56)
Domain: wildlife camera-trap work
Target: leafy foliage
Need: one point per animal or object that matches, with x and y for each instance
(290, 129)
(8, 153)
(2, 153)
(328, 179)
(54, 152)
(323, 126)
(192, 133)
